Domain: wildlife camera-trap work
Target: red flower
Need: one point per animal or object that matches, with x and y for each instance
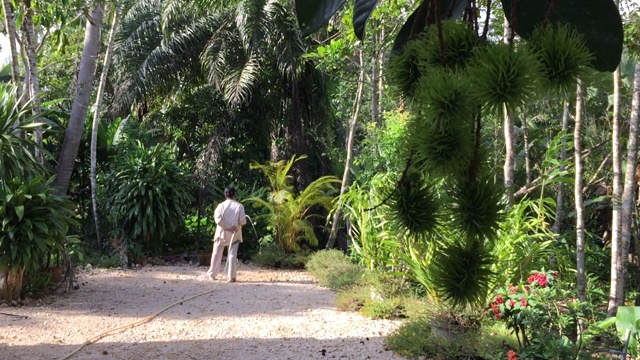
(499, 299)
(554, 274)
(542, 281)
(496, 311)
(513, 289)
(527, 289)
(512, 355)
(531, 278)
(523, 301)
(512, 303)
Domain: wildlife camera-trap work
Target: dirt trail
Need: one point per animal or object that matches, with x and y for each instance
(267, 314)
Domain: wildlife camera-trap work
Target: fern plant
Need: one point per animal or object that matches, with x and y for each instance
(288, 213)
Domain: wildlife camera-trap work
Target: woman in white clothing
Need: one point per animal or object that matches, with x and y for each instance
(229, 217)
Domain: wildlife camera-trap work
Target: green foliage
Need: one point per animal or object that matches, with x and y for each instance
(287, 214)
(16, 151)
(333, 269)
(524, 241)
(563, 57)
(35, 222)
(460, 41)
(541, 314)
(461, 273)
(270, 255)
(405, 70)
(598, 22)
(627, 319)
(415, 339)
(415, 206)
(503, 75)
(477, 208)
(146, 194)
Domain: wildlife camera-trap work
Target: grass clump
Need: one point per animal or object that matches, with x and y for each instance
(333, 269)
(270, 255)
(415, 338)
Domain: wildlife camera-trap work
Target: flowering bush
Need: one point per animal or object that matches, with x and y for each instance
(536, 311)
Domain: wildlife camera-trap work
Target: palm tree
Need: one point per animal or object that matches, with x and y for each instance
(250, 51)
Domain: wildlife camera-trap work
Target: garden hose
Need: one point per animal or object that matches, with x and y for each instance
(136, 323)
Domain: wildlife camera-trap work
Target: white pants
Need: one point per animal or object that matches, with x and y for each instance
(216, 259)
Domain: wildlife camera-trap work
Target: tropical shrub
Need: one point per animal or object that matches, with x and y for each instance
(287, 213)
(35, 222)
(145, 196)
(16, 151)
(541, 314)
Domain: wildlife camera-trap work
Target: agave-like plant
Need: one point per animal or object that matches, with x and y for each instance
(288, 213)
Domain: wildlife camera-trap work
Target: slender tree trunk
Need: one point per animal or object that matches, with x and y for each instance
(509, 134)
(10, 26)
(527, 160)
(563, 157)
(381, 57)
(96, 119)
(347, 165)
(579, 205)
(375, 96)
(31, 44)
(510, 155)
(80, 105)
(616, 270)
(628, 194)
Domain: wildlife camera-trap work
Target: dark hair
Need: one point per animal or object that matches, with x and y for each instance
(229, 191)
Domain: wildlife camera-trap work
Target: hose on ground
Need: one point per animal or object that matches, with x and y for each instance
(130, 325)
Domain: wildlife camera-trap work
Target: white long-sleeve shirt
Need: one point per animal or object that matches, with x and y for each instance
(228, 214)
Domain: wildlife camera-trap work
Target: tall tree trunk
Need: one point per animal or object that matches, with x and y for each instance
(31, 44)
(616, 270)
(628, 194)
(347, 166)
(527, 159)
(509, 134)
(96, 119)
(581, 279)
(563, 157)
(10, 26)
(84, 85)
(510, 155)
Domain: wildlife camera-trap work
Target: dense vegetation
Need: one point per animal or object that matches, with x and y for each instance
(488, 156)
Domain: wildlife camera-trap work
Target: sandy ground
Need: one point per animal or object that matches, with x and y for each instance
(267, 314)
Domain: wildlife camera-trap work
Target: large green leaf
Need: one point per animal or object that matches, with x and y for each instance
(422, 18)
(362, 9)
(628, 318)
(312, 14)
(598, 21)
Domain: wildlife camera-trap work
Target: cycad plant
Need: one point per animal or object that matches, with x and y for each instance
(287, 212)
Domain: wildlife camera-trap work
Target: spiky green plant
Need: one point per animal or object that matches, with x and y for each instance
(461, 272)
(477, 207)
(443, 152)
(502, 74)
(445, 101)
(404, 69)
(415, 206)
(563, 56)
(456, 50)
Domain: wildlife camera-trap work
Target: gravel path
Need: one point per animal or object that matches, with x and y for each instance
(267, 314)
